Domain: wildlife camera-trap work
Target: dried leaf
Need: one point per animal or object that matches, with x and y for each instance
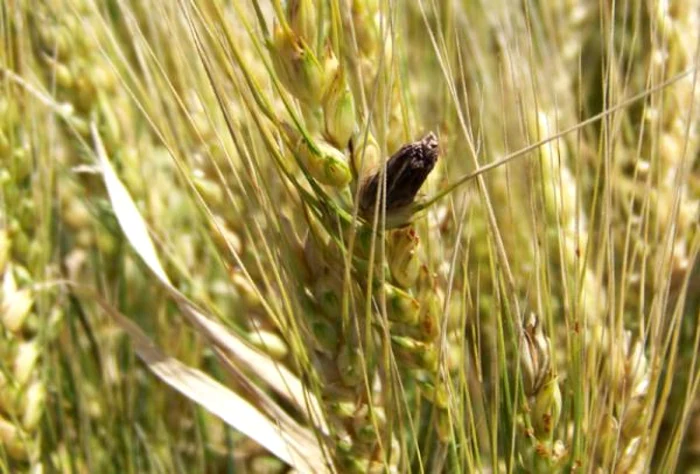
(277, 376)
(282, 437)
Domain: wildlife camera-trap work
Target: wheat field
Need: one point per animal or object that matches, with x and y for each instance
(346, 236)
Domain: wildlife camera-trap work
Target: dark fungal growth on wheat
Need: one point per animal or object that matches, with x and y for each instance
(405, 172)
